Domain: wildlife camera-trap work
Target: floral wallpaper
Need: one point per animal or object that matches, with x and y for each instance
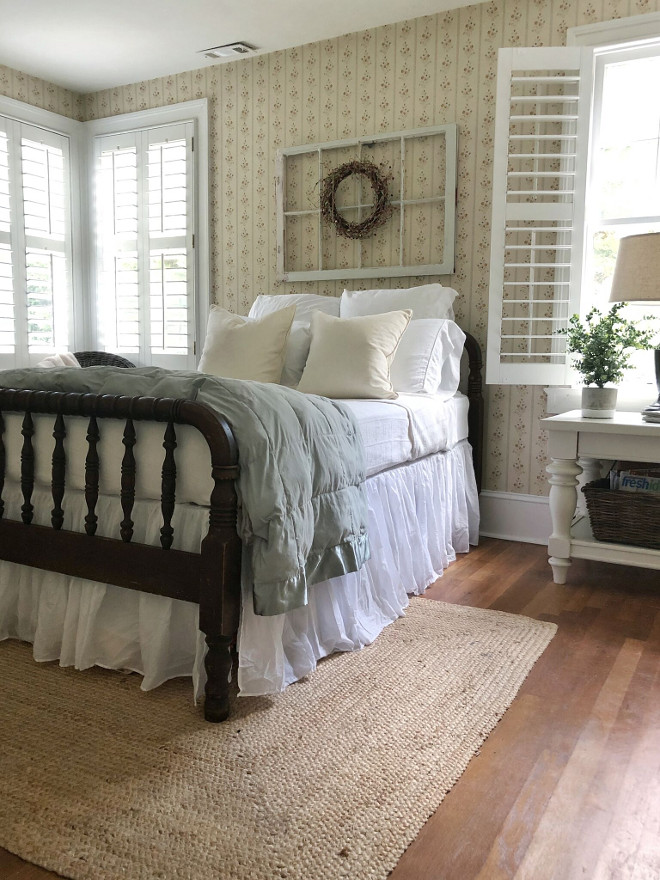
(427, 71)
(44, 95)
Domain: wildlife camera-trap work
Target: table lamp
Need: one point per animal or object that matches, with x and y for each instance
(637, 279)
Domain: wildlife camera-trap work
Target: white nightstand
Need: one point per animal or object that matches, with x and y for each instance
(576, 445)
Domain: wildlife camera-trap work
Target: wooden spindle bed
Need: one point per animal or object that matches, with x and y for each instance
(210, 578)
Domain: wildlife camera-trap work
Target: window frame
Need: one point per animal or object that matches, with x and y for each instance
(82, 208)
(605, 38)
(189, 111)
(73, 131)
(597, 40)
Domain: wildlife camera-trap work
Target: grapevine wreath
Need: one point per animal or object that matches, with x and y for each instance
(379, 184)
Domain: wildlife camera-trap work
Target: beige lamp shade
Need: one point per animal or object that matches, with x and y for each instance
(637, 270)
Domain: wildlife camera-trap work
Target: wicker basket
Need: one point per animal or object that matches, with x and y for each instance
(623, 517)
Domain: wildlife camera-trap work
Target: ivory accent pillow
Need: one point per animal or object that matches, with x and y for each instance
(428, 358)
(246, 348)
(426, 301)
(350, 357)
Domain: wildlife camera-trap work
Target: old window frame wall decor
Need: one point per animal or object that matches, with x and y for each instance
(402, 201)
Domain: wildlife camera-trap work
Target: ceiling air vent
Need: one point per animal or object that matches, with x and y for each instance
(230, 50)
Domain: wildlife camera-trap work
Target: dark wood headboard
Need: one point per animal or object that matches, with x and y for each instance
(476, 411)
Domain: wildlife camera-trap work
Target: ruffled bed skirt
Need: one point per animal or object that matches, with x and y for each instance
(420, 515)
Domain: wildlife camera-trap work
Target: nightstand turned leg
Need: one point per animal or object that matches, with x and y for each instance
(563, 499)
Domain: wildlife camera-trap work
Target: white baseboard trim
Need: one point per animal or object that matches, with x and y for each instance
(515, 517)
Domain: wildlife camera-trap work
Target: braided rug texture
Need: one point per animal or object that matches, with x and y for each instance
(332, 779)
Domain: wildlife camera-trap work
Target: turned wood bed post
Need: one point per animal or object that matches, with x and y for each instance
(219, 608)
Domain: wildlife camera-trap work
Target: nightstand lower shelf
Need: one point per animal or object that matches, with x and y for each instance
(585, 546)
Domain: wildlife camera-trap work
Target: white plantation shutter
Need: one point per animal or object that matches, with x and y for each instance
(145, 208)
(7, 344)
(35, 243)
(45, 218)
(117, 200)
(539, 183)
(170, 213)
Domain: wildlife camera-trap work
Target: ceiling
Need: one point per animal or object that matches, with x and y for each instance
(88, 45)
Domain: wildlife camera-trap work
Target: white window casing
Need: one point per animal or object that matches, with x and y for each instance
(537, 233)
(151, 254)
(49, 268)
(146, 271)
(39, 219)
(511, 357)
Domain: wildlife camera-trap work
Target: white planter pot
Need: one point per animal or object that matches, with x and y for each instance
(598, 403)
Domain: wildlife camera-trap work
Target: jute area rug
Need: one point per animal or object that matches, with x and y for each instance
(332, 779)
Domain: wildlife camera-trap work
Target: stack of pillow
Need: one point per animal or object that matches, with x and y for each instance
(366, 344)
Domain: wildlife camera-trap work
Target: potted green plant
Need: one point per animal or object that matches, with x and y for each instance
(601, 345)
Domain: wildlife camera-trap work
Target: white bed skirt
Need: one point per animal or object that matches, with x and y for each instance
(420, 515)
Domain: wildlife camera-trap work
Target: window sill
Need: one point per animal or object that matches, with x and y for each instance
(629, 399)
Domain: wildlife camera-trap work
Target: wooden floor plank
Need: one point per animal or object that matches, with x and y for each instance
(624, 854)
(552, 838)
(567, 786)
(523, 818)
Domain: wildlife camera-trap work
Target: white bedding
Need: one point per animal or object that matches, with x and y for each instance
(408, 428)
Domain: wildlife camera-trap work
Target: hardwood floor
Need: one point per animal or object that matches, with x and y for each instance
(568, 784)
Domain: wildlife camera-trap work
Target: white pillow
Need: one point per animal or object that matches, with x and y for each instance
(306, 304)
(350, 357)
(427, 301)
(421, 360)
(451, 368)
(64, 359)
(245, 348)
(297, 347)
(295, 355)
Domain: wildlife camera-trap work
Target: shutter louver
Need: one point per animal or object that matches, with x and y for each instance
(539, 180)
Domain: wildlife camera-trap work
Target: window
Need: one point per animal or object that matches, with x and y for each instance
(572, 174)
(623, 192)
(145, 238)
(143, 289)
(151, 300)
(36, 265)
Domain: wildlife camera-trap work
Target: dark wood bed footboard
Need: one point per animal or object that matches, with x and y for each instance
(210, 578)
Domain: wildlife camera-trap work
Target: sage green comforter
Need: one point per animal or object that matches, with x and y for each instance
(303, 512)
